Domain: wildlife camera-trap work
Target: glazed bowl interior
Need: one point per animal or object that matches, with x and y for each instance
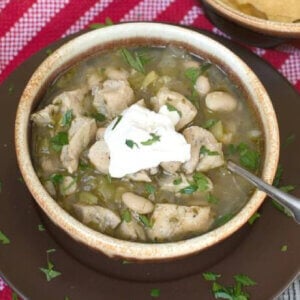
(267, 27)
(143, 34)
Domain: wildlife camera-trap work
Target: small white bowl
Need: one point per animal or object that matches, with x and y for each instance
(143, 34)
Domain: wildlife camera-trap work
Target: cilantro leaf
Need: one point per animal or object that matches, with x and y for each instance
(154, 138)
(193, 73)
(210, 123)
(244, 280)
(11, 88)
(189, 189)
(145, 220)
(67, 118)
(126, 216)
(210, 276)
(59, 140)
(117, 122)
(135, 60)
(201, 181)
(287, 188)
(177, 181)
(211, 198)
(4, 239)
(253, 218)
(155, 293)
(223, 219)
(108, 22)
(284, 248)
(278, 176)
(49, 272)
(14, 296)
(249, 158)
(150, 189)
(131, 144)
(56, 179)
(206, 151)
(289, 140)
(170, 107)
(99, 117)
(41, 227)
(281, 208)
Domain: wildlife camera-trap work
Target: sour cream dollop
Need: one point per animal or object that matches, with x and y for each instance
(141, 139)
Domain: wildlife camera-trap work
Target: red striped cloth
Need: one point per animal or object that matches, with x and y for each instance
(30, 25)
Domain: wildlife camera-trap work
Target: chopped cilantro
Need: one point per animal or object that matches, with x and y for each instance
(99, 117)
(11, 88)
(284, 248)
(155, 293)
(108, 178)
(59, 140)
(41, 227)
(126, 216)
(200, 183)
(210, 276)
(108, 22)
(147, 223)
(14, 296)
(170, 107)
(135, 60)
(56, 178)
(281, 208)
(126, 262)
(287, 188)
(278, 176)
(235, 292)
(4, 239)
(131, 144)
(154, 138)
(20, 179)
(67, 118)
(66, 298)
(150, 189)
(249, 158)
(83, 165)
(253, 218)
(177, 181)
(49, 51)
(211, 198)
(223, 219)
(117, 122)
(205, 151)
(193, 73)
(289, 140)
(49, 272)
(210, 123)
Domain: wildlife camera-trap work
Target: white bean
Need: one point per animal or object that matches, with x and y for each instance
(202, 85)
(137, 203)
(220, 101)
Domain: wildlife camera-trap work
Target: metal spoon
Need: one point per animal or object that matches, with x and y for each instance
(288, 201)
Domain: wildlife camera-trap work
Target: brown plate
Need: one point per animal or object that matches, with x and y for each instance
(254, 250)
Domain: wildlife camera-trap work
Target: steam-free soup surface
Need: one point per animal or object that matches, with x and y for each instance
(134, 143)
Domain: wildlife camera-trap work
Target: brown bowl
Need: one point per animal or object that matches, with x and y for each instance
(143, 34)
(266, 27)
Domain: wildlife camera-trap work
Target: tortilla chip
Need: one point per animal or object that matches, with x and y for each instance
(275, 10)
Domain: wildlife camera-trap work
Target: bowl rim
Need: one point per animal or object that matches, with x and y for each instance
(109, 245)
(276, 28)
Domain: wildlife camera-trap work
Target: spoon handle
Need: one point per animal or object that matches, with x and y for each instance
(288, 201)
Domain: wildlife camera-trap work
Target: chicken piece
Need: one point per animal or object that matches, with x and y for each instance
(49, 165)
(68, 186)
(71, 100)
(140, 176)
(113, 98)
(171, 166)
(186, 109)
(212, 155)
(104, 218)
(100, 133)
(202, 85)
(173, 183)
(99, 156)
(44, 117)
(137, 203)
(116, 74)
(220, 102)
(175, 222)
(93, 79)
(81, 132)
(131, 231)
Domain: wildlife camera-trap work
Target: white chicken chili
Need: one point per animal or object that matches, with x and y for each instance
(134, 142)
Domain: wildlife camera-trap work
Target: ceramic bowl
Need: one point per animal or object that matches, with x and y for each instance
(143, 34)
(267, 27)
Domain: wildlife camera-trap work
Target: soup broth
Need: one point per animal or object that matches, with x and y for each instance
(103, 130)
